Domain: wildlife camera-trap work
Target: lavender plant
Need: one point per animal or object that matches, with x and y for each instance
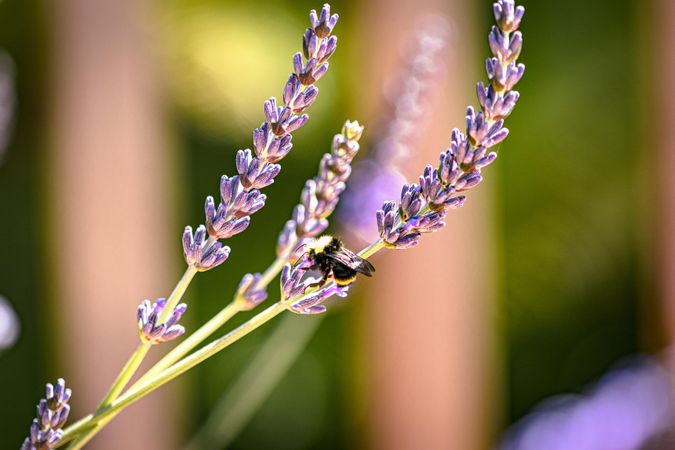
(421, 209)
(52, 413)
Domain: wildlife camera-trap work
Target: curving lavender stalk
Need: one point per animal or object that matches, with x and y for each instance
(318, 200)
(52, 413)
(422, 207)
(240, 195)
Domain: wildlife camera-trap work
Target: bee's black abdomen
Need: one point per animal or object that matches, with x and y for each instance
(343, 275)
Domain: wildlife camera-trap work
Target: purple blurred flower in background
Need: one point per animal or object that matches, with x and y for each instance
(378, 178)
(9, 325)
(625, 410)
(7, 101)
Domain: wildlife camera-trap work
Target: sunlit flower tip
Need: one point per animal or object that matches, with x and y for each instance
(313, 303)
(507, 15)
(352, 130)
(323, 23)
(156, 333)
(51, 414)
(248, 294)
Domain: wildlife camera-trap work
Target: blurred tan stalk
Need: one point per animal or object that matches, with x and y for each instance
(663, 66)
(428, 328)
(108, 196)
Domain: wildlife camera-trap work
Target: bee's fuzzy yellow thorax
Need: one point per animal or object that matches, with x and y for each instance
(321, 243)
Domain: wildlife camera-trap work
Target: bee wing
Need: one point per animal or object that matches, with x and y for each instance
(353, 261)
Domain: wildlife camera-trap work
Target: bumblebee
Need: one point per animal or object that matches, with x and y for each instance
(330, 256)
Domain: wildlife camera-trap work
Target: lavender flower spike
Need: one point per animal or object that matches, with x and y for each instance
(318, 200)
(321, 194)
(52, 413)
(240, 195)
(154, 333)
(249, 295)
(422, 208)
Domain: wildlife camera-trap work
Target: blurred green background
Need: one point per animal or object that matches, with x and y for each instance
(574, 289)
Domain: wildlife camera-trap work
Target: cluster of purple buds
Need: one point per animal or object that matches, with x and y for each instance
(318, 200)
(321, 194)
(240, 195)
(422, 207)
(295, 283)
(249, 294)
(52, 413)
(157, 333)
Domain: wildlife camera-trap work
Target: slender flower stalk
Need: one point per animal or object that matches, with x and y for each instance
(52, 413)
(240, 195)
(138, 391)
(422, 207)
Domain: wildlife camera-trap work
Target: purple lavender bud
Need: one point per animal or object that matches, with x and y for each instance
(468, 181)
(248, 294)
(320, 71)
(497, 43)
(430, 222)
(251, 203)
(432, 189)
(305, 99)
(327, 50)
(52, 413)
(287, 239)
(455, 202)
(386, 219)
(486, 160)
(448, 168)
(254, 174)
(279, 148)
(310, 43)
(154, 333)
(229, 189)
(291, 280)
(323, 26)
(295, 122)
(513, 75)
(515, 47)
(293, 86)
(262, 139)
(411, 203)
(196, 252)
(507, 16)
(312, 304)
(232, 227)
(407, 241)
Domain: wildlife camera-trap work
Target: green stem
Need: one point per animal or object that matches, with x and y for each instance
(135, 393)
(136, 358)
(255, 382)
(191, 341)
(125, 375)
(140, 390)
